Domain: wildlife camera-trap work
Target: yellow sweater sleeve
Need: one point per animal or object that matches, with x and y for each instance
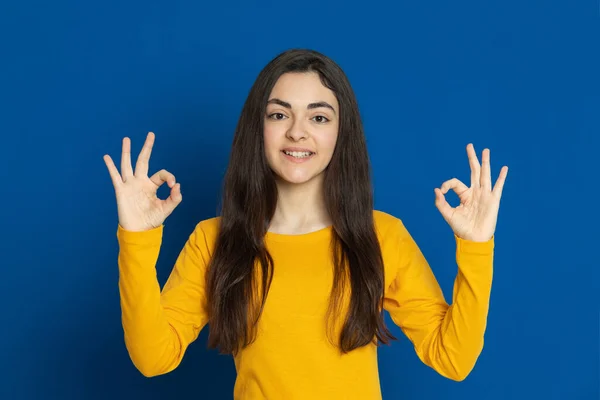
(447, 338)
(159, 325)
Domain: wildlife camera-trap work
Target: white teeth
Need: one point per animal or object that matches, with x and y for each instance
(298, 154)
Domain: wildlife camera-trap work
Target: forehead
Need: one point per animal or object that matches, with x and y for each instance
(302, 88)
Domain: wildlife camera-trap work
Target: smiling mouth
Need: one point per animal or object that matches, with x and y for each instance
(298, 154)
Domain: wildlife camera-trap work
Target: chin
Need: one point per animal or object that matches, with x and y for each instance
(298, 179)
(296, 173)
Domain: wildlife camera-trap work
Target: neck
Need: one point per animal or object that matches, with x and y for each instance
(300, 208)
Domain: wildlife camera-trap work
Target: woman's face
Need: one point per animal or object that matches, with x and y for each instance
(301, 127)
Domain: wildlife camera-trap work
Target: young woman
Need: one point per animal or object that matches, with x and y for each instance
(294, 274)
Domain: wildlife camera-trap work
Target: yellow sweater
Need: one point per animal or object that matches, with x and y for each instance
(292, 357)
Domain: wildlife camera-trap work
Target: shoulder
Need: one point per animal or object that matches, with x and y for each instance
(398, 247)
(205, 234)
(209, 227)
(394, 237)
(388, 225)
(383, 218)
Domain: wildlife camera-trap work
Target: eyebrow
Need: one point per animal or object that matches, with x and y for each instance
(310, 106)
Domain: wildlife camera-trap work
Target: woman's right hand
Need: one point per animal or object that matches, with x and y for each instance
(138, 207)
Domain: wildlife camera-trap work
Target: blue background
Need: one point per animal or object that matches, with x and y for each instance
(519, 77)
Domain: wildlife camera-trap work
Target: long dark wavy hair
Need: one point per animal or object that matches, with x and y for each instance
(248, 203)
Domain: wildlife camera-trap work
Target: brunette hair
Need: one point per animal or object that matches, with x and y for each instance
(241, 266)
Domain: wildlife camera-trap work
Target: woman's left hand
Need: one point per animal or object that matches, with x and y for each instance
(475, 218)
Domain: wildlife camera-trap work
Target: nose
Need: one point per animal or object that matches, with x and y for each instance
(297, 131)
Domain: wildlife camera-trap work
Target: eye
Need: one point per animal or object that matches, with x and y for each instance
(277, 114)
(323, 117)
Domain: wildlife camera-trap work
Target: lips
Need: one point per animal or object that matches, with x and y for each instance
(298, 160)
(298, 149)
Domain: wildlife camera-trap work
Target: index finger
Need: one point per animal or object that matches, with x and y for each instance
(143, 161)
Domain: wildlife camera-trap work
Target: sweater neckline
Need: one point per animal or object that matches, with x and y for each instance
(300, 238)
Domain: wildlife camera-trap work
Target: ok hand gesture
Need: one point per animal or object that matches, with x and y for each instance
(139, 208)
(475, 218)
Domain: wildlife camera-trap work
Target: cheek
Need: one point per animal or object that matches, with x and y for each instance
(272, 136)
(329, 140)
(268, 139)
